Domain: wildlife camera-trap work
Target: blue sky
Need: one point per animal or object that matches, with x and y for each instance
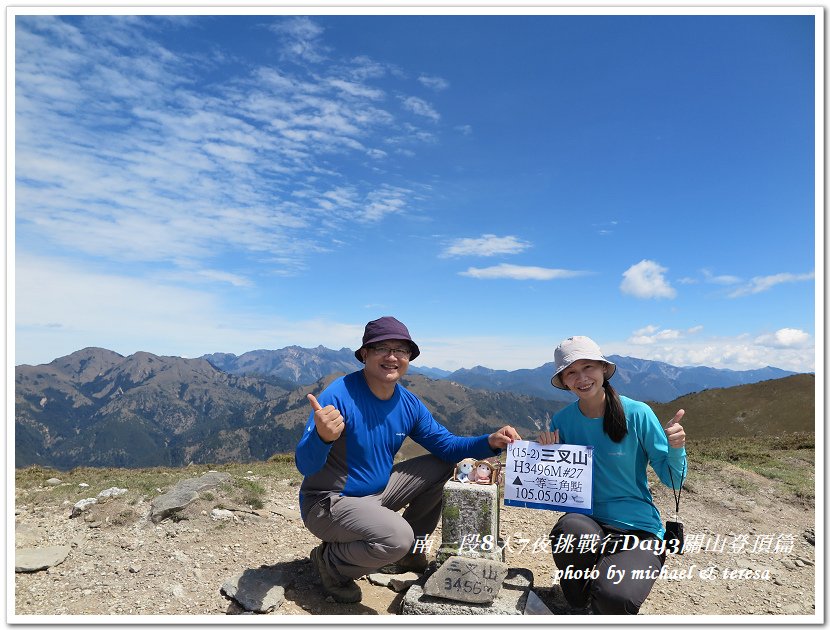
(196, 184)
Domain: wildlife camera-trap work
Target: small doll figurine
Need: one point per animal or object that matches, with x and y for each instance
(464, 470)
(483, 472)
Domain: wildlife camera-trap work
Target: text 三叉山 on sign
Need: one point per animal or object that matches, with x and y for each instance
(549, 476)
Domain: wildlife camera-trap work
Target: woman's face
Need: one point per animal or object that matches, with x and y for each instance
(585, 378)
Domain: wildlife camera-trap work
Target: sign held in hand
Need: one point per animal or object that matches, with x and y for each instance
(549, 476)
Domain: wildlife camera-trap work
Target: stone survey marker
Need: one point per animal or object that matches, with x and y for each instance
(470, 521)
(472, 578)
(467, 580)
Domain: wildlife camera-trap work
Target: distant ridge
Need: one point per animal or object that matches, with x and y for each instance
(293, 363)
(637, 378)
(96, 407)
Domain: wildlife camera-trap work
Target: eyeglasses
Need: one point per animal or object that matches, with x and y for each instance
(383, 351)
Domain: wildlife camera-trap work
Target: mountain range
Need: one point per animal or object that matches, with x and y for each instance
(96, 407)
(637, 378)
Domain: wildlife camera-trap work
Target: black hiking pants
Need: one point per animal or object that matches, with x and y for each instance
(613, 576)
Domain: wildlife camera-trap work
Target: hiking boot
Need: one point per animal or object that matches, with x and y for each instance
(347, 592)
(416, 562)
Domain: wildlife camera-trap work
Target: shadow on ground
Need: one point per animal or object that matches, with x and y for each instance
(302, 587)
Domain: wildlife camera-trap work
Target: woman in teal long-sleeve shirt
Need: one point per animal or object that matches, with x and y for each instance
(624, 529)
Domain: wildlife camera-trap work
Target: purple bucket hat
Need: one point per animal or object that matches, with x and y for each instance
(383, 329)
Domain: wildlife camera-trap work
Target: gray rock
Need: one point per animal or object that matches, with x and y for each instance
(26, 535)
(397, 582)
(222, 515)
(257, 590)
(54, 481)
(30, 560)
(472, 580)
(379, 579)
(111, 492)
(82, 506)
(509, 601)
(403, 581)
(184, 493)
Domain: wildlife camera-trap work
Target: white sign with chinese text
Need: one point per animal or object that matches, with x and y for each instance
(549, 477)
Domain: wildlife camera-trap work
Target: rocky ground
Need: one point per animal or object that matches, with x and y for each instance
(751, 553)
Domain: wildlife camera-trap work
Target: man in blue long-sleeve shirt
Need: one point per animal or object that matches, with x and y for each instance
(352, 491)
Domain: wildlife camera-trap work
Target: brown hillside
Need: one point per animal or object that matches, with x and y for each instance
(765, 408)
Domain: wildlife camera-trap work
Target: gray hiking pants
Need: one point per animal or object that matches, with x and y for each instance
(366, 533)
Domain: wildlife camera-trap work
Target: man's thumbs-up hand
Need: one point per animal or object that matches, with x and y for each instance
(327, 420)
(674, 430)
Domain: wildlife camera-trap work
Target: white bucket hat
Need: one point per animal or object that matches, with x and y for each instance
(574, 349)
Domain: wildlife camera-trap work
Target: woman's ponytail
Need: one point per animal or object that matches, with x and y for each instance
(613, 422)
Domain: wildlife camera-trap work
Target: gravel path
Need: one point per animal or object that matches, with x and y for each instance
(750, 555)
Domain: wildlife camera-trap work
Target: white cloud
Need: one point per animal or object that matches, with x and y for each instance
(300, 37)
(434, 83)
(211, 276)
(785, 338)
(420, 107)
(646, 330)
(361, 68)
(485, 245)
(61, 307)
(739, 352)
(721, 279)
(517, 272)
(466, 130)
(503, 353)
(357, 89)
(385, 200)
(229, 152)
(161, 171)
(760, 284)
(652, 334)
(606, 228)
(646, 280)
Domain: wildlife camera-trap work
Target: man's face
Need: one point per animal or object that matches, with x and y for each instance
(386, 361)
